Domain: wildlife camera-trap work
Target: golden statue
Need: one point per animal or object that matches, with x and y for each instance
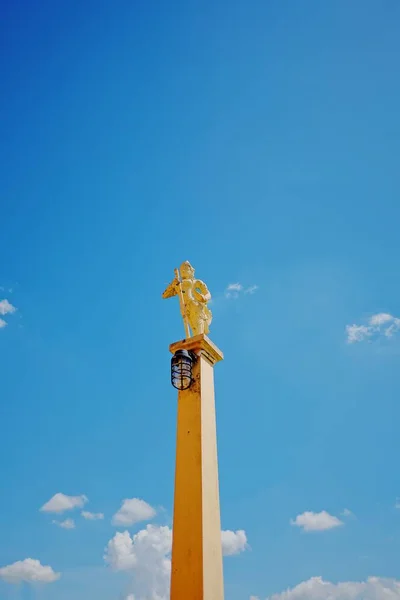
(193, 297)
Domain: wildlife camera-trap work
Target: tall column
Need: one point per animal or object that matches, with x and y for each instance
(196, 539)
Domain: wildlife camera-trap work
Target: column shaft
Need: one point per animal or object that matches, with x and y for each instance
(197, 572)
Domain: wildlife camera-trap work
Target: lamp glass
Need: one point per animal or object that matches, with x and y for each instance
(181, 370)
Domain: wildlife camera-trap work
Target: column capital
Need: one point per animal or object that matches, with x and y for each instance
(200, 345)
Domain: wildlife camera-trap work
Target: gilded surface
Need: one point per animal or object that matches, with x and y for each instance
(193, 297)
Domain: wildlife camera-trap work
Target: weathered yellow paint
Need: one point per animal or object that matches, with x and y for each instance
(196, 541)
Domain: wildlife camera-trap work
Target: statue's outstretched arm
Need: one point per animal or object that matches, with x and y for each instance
(172, 289)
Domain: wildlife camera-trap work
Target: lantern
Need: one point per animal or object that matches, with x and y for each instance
(181, 369)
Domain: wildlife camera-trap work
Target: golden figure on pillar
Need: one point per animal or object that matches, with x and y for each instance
(196, 558)
(193, 297)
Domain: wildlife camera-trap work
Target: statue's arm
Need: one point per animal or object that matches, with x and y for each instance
(172, 289)
(201, 291)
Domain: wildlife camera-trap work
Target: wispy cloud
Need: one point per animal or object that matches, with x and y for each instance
(380, 319)
(311, 521)
(380, 324)
(234, 290)
(251, 290)
(67, 524)
(92, 516)
(6, 308)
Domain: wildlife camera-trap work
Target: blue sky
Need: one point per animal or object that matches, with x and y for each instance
(261, 141)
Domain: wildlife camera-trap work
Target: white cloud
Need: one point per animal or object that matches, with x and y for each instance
(28, 570)
(377, 325)
(119, 553)
(67, 524)
(233, 542)
(397, 505)
(357, 333)
(393, 328)
(234, 290)
(59, 503)
(234, 287)
(6, 308)
(133, 510)
(374, 588)
(380, 319)
(147, 555)
(310, 521)
(92, 516)
(347, 513)
(251, 290)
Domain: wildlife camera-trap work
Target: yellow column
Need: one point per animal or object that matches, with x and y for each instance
(196, 539)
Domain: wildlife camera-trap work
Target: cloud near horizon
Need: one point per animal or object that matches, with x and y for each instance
(147, 555)
(28, 571)
(374, 588)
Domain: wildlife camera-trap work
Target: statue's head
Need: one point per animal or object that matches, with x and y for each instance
(186, 270)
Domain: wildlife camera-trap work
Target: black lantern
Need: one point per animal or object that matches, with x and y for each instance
(181, 369)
